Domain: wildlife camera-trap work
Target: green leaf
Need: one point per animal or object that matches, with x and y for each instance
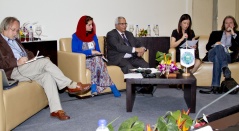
(172, 121)
(176, 114)
(161, 124)
(159, 59)
(159, 56)
(132, 124)
(189, 120)
(127, 124)
(167, 124)
(169, 54)
(188, 123)
(111, 128)
(138, 126)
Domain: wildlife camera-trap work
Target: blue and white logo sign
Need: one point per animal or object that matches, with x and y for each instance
(187, 57)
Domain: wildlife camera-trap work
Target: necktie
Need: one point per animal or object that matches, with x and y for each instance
(125, 40)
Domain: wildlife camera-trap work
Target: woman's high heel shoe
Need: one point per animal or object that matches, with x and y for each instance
(94, 89)
(115, 91)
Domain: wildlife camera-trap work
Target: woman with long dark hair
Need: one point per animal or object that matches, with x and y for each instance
(180, 35)
(85, 41)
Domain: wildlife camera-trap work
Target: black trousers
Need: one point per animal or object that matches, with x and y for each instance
(132, 63)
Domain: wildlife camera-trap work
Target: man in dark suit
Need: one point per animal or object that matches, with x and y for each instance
(123, 49)
(222, 49)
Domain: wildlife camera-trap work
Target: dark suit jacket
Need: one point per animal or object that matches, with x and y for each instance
(7, 59)
(116, 48)
(216, 36)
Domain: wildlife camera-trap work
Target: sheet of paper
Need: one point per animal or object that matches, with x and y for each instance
(191, 43)
(133, 75)
(38, 57)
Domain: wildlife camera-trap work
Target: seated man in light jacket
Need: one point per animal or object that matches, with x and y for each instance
(13, 58)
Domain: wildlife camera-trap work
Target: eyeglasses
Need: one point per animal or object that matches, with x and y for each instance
(14, 30)
(122, 24)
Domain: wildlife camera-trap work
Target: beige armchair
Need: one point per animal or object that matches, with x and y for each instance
(73, 65)
(19, 103)
(204, 73)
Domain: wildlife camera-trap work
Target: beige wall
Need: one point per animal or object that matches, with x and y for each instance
(202, 16)
(237, 11)
(226, 7)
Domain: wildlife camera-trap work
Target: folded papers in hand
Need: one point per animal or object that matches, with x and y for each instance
(35, 58)
(191, 43)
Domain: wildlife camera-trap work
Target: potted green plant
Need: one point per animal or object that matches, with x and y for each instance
(171, 121)
(165, 64)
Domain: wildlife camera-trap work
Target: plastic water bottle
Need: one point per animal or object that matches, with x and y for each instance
(102, 125)
(137, 31)
(31, 34)
(157, 30)
(148, 31)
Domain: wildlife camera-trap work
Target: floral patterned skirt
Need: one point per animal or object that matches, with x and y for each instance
(99, 73)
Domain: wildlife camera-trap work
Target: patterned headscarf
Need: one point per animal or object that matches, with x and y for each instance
(81, 30)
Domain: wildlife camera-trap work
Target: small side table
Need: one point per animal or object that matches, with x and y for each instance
(189, 82)
(47, 48)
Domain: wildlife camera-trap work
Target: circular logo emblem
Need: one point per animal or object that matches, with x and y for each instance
(187, 58)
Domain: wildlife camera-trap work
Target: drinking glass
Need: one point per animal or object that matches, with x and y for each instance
(131, 28)
(38, 31)
(25, 32)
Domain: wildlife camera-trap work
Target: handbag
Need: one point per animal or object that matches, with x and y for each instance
(228, 84)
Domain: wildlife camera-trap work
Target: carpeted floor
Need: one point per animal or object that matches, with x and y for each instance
(85, 113)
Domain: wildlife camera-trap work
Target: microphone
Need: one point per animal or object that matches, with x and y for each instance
(186, 39)
(186, 33)
(194, 121)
